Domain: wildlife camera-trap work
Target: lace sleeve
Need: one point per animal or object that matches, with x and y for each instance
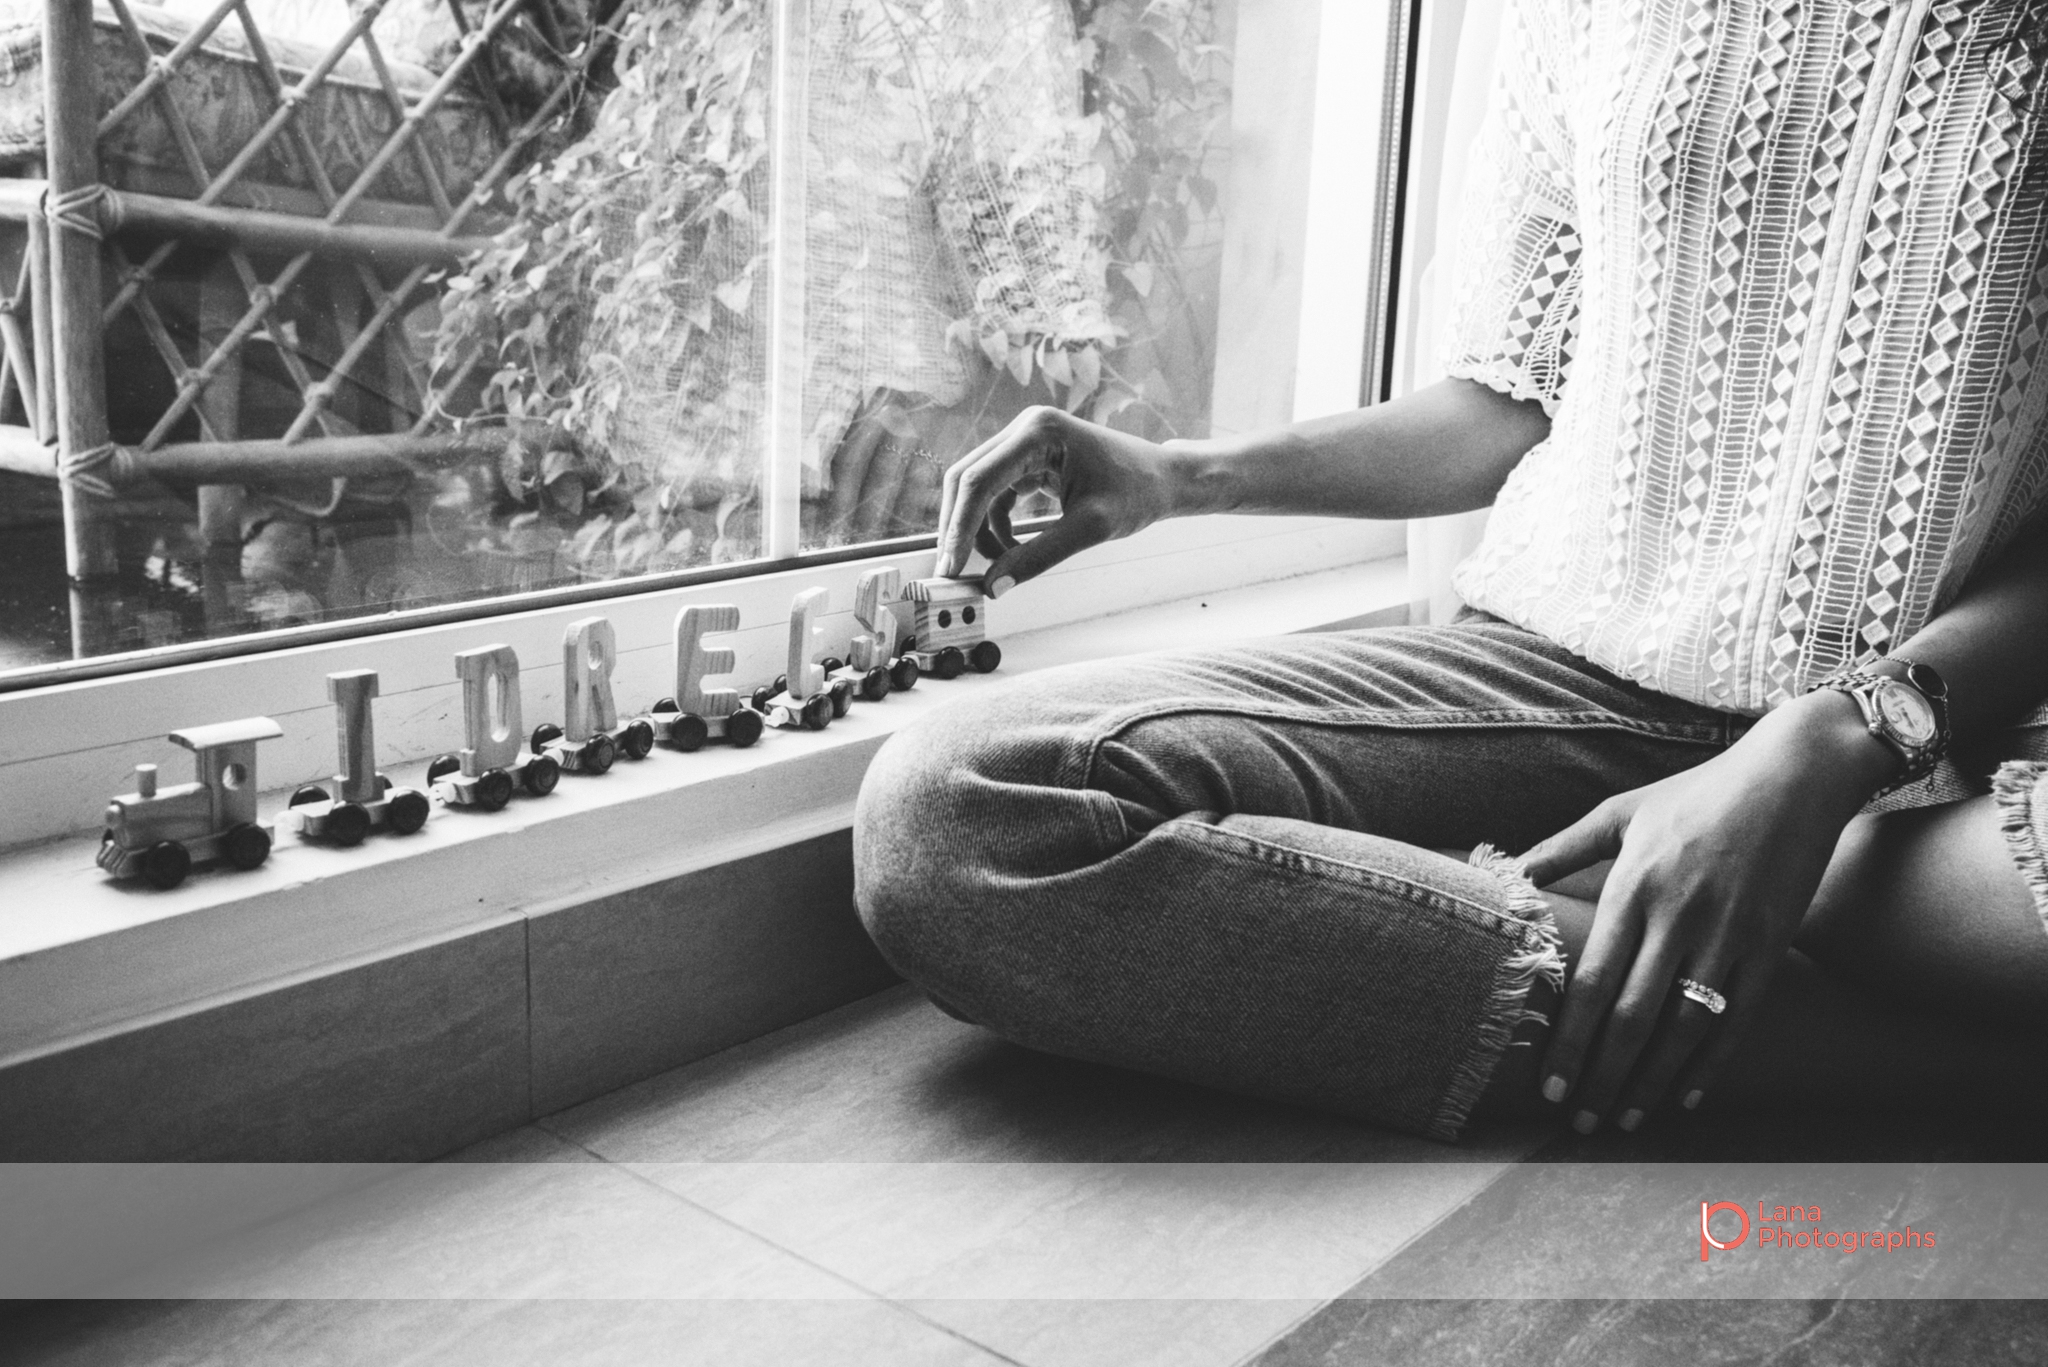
(1516, 270)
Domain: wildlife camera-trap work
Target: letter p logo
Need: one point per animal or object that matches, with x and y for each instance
(1707, 1240)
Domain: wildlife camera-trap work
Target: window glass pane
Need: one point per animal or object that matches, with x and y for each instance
(387, 423)
(1008, 203)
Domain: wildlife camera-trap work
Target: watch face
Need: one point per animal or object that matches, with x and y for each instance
(1907, 713)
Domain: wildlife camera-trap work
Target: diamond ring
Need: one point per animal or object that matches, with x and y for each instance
(1704, 995)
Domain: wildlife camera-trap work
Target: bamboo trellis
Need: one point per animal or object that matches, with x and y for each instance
(53, 325)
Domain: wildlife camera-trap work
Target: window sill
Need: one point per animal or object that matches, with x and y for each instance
(81, 957)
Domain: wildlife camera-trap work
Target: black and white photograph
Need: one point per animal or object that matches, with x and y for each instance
(1023, 683)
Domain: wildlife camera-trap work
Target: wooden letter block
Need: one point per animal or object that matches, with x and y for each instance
(806, 679)
(589, 650)
(695, 660)
(490, 708)
(355, 736)
(875, 645)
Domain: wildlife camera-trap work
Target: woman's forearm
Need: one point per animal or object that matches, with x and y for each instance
(1444, 449)
(1991, 644)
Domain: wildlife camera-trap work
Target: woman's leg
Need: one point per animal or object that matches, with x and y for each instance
(1920, 978)
(1220, 866)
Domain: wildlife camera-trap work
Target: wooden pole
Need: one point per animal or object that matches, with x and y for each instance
(41, 330)
(71, 133)
(268, 462)
(221, 302)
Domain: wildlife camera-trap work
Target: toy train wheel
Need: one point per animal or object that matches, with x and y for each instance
(407, 812)
(443, 766)
(598, 754)
(906, 645)
(903, 674)
(874, 685)
(542, 734)
(841, 694)
(831, 664)
(312, 792)
(542, 774)
(348, 823)
(758, 699)
(666, 705)
(494, 788)
(165, 864)
(985, 656)
(247, 846)
(817, 712)
(688, 732)
(636, 740)
(743, 727)
(949, 663)
(781, 685)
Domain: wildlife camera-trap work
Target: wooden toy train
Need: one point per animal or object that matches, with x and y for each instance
(160, 835)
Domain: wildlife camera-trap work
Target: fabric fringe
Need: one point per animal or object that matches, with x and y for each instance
(1541, 956)
(2020, 789)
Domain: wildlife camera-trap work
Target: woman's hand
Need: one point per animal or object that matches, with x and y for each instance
(1713, 870)
(1110, 484)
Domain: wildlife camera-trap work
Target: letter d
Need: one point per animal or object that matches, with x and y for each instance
(1707, 1240)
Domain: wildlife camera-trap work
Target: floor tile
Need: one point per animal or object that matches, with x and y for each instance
(860, 1333)
(1594, 1333)
(528, 1230)
(892, 1078)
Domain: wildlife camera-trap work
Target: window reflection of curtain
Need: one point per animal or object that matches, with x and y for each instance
(1463, 54)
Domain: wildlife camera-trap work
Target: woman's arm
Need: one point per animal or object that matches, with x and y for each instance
(1444, 449)
(1715, 867)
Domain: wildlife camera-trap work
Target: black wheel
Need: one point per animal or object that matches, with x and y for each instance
(542, 774)
(493, 789)
(781, 685)
(312, 792)
(817, 712)
(245, 845)
(406, 812)
(949, 663)
(598, 754)
(165, 864)
(985, 657)
(383, 783)
(442, 767)
(903, 674)
(636, 741)
(841, 694)
(542, 734)
(743, 727)
(831, 664)
(348, 823)
(759, 698)
(874, 685)
(666, 705)
(688, 732)
(906, 645)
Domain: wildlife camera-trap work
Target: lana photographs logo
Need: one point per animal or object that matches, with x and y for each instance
(1779, 1227)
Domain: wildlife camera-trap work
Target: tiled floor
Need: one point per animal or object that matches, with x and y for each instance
(884, 1185)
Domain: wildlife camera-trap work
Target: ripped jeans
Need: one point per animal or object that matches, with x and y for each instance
(1219, 866)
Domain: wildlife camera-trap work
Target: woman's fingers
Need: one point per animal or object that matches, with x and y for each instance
(1683, 1025)
(1592, 838)
(1596, 980)
(1030, 445)
(1744, 989)
(1627, 1029)
(1076, 531)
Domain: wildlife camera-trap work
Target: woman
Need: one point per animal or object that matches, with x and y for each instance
(1748, 362)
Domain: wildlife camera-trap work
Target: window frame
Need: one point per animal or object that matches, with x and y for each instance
(61, 749)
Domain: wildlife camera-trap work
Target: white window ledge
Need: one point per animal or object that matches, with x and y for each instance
(81, 956)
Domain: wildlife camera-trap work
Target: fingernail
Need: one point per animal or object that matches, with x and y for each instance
(1630, 1119)
(1692, 1099)
(1585, 1122)
(1001, 586)
(1554, 1087)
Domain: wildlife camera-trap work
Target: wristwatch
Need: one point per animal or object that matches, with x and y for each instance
(1908, 711)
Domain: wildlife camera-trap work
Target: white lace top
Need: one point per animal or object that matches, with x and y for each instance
(1779, 272)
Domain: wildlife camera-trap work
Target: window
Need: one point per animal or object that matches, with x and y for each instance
(659, 291)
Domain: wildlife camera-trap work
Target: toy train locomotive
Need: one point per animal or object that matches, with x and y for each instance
(161, 834)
